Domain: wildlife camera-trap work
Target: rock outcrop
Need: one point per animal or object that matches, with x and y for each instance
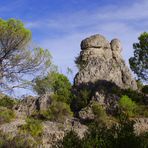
(102, 60)
(102, 69)
(52, 131)
(30, 105)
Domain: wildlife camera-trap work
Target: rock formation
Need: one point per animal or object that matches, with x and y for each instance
(102, 66)
(101, 60)
(30, 105)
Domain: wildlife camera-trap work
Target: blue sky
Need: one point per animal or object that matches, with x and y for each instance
(60, 25)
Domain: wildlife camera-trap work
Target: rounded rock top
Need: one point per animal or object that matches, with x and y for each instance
(95, 41)
(116, 45)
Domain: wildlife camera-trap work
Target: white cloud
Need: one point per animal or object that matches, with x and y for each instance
(123, 22)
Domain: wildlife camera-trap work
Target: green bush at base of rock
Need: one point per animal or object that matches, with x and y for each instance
(58, 111)
(99, 112)
(119, 135)
(128, 105)
(33, 127)
(6, 115)
(19, 141)
(6, 101)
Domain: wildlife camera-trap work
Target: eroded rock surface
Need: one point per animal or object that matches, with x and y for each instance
(30, 105)
(102, 60)
(52, 131)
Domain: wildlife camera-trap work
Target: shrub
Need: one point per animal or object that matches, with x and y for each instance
(6, 115)
(70, 140)
(139, 84)
(33, 127)
(56, 83)
(99, 112)
(81, 99)
(128, 105)
(6, 101)
(101, 136)
(19, 141)
(134, 95)
(142, 111)
(80, 63)
(58, 111)
(145, 89)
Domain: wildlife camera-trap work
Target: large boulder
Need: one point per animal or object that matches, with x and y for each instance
(102, 69)
(30, 105)
(102, 60)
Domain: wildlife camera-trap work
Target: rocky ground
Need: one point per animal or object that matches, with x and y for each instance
(101, 64)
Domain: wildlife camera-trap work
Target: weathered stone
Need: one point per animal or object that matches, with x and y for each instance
(54, 131)
(95, 41)
(30, 105)
(103, 61)
(86, 114)
(141, 125)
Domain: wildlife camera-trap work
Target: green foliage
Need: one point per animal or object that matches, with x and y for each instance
(136, 96)
(139, 63)
(19, 141)
(33, 127)
(56, 83)
(145, 89)
(6, 115)
(99, 112)
(8, 102)
(142, 111)
(101, 136)
(58, 111)
(80, 63)
(81, 99)
(128, 105)
(70, 140)
(139, 85)
(15, 59)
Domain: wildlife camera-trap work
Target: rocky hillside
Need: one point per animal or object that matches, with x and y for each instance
(102, 60)
(103, 72)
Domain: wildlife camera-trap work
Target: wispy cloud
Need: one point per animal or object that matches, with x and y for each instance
(123, 22)
(11, 6)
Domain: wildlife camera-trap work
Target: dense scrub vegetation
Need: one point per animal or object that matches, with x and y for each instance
(100, 135)
(6, 101)
(6, 112)
(33, 127)
(58, 111)
(19, 141)
(6, 115)
(55, 83)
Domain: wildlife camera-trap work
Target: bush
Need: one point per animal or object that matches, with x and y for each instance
(128, 105)
(134, 95)
(6, 115)
(101, 136)
(6, 101)
(142, 111)
(58, 111)
(81, 99)
(80, 63)
(19, 141)
(145, 89)
(56, 83)
(70, 140)
(33, 127)
(99, 112)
